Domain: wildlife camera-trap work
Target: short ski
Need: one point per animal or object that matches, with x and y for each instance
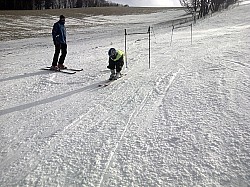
(60, 70)
(108, 82)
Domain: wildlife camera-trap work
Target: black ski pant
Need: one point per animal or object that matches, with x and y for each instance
(58, 48)
(117, 65)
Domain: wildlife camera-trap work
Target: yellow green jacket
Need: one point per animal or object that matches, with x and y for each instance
(119, 56)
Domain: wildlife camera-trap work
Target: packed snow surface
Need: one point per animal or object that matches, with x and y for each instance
(183, 122)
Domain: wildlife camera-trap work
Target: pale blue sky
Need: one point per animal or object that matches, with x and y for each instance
(160, 3)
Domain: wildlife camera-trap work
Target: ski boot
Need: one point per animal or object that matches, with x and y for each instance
(54, 68)
(112, 76)
(61, 66)
(118, 75)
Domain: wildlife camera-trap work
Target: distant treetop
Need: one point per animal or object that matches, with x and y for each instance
(52, 4)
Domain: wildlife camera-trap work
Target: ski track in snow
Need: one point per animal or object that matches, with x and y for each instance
(134, 113)
(184, 122)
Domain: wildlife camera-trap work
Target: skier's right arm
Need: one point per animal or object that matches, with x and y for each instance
(55, 34)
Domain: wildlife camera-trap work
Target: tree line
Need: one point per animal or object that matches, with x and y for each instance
(203, 7)
(52, 4)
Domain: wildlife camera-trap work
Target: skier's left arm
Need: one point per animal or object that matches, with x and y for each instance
(120, 58)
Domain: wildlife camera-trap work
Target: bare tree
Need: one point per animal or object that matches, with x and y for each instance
(204, 6)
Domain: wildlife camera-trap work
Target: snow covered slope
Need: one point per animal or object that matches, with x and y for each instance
(183, 122)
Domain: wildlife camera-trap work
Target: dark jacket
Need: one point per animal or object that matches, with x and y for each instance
(59, 33)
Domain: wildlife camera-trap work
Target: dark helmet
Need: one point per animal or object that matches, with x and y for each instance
(112, 52)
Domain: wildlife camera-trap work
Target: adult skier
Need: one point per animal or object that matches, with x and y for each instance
(116, 62)
(59, 39)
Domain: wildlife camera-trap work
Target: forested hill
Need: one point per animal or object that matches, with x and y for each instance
(52, 4)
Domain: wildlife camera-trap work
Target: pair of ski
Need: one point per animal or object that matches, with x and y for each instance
(108, 82)
(67, 71)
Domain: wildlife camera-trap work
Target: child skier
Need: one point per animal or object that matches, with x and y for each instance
(116, 62)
